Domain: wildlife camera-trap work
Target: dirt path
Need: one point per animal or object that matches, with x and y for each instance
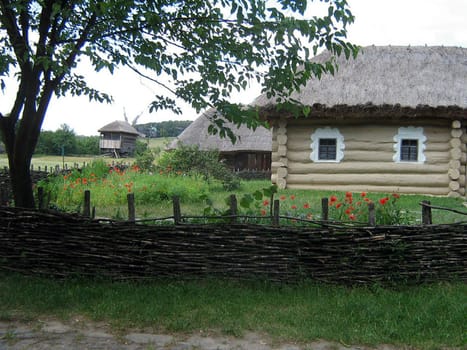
(79, 335)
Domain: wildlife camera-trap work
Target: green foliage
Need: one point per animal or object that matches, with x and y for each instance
(191, 160)
(56, 142)
(51, 143)
(88, 145)
(109, 186)
(354, 207)
(141, 147)
(169, 128)
(145, 160)
(207, 49)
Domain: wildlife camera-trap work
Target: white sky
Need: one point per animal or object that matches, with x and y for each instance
(378, 22)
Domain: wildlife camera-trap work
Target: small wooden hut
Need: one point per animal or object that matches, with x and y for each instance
(118, 138)
(392, 120)
(251, 151)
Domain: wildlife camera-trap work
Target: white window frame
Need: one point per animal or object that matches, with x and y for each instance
(410, 133)
(327, 133)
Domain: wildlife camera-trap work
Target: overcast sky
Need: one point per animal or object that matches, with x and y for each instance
(378, 22)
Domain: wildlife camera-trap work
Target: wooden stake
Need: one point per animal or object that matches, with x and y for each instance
(275, 213)
(177, 211)
(131, 207)
(426, 213)
(371, 214)
(87, 204)
(325, 209)
(233, 208)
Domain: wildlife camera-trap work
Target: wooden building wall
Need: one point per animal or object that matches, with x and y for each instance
(368, 163)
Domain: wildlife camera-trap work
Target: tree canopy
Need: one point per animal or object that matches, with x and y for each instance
(199, 51)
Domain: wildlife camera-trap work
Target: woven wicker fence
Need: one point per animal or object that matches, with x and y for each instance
(54, 244)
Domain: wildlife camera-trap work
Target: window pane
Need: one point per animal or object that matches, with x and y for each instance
(327, 149)
(409, 150)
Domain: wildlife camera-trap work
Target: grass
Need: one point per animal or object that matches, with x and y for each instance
(427, 316)
(52, 161)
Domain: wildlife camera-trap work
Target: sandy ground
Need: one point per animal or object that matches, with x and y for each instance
(84, 335)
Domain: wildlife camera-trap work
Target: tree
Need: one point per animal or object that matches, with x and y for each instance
(198, 50)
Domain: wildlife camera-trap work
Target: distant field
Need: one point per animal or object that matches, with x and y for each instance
(160, 142)
(70, 161)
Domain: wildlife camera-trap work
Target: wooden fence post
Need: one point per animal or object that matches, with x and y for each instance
(177, 211)
(87, 204)
(371, 214)
(233, 208)
(131, 207)
(324, 209)
(275, 213)
(426, 213)
(40, 198)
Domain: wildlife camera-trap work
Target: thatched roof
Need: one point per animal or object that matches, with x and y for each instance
(196, 134)
(394, 77)
(119, 126)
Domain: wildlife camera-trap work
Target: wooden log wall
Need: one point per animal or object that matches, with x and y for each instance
(61, 245)
(368, 163)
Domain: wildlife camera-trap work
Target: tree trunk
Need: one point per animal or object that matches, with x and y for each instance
(21, 185)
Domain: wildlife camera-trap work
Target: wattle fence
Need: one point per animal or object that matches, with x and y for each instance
(56, 244)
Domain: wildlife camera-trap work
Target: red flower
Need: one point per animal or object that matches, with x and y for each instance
(282, 198)
(265, 202)
(348, 194)
(363, 194)
(338, 205)
(352, 217)
(332, 200)
(348, 211)
(292, 197)
(294, 206)
(395, 195)
(383, 201)
(367, 200)
(263, 212)
(85, 181)
(306, 206)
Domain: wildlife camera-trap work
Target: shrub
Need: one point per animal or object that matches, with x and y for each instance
(145, 160)
(191, 160)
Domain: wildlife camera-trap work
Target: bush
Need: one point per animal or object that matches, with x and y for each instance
(145, 160)
(191, 160)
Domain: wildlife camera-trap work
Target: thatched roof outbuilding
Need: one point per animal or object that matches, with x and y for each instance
(407, 81)
(251, 151)
(196, 134)
(119, 126)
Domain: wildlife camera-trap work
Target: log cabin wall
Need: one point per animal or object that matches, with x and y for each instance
(368, 163)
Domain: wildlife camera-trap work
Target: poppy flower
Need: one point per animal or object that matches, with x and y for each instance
(384, 200)
(306, 206)
(294, 206)
(265, 202)
(282, 198)
(263, 212)
(352, 217)
(363, 194)
(292, 197)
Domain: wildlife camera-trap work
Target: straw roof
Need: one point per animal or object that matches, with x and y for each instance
(396, 77)
(119, 126)
(196, 134)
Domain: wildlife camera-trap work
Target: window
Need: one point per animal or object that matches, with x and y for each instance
(327, 145)
(409, 150)
(409, 145)
(327, 149)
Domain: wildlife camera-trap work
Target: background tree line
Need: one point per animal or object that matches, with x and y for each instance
(169, 128)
